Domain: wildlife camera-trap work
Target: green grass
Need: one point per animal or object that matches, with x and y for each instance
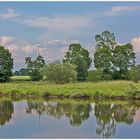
(21, 78)
(103, 89)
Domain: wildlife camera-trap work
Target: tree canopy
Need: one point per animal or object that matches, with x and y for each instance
(6, 64)
(34, 67)
(80, 57)
(114, 60)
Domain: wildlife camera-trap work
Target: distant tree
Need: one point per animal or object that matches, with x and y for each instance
(95, 75)
(134, 73)
(60, 73)
(80, 57)
(21, 72)
(34, 67)
(123, 60)
(6, 64)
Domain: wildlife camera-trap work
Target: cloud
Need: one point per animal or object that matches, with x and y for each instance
(59, 22)
(10, 13)
(136, 44)
(117, 10)
(51, 50)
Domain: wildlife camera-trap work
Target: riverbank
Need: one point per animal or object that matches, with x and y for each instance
(84, 90)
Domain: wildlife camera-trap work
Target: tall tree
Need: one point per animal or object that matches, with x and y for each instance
(114, 60)
(34, 67)
(6, 64)
(80, 57)
(123, 60)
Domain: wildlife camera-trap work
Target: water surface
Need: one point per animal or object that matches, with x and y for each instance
(69, 119)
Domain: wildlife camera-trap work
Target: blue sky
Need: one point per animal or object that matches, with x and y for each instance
(52, 26)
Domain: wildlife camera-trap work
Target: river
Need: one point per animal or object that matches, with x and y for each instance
(40, 118)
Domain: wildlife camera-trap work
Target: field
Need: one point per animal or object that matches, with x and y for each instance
(23, 87)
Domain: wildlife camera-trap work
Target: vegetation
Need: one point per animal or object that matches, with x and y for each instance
(80, 57)
(95, 75)
(110, 89)
(21, 72)
(134, 73)
(6, 64)
(34, 67)
(114, 60)
(60, 73)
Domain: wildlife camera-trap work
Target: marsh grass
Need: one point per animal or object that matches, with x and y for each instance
(103, 89)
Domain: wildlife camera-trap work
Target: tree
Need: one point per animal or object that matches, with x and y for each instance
(134, 73)
(105, 39)
(114, 60)
(95, 75)
(34, 67)
(105, 43)
(60, 73)
(80, 57)
(123, 60)
(6, 64)
(21, 72)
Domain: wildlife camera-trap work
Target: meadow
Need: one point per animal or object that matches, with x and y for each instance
(22, 86)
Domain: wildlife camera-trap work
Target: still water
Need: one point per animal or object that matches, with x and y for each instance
(69, 119)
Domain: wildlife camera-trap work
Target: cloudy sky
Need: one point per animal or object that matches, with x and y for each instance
(52, 26)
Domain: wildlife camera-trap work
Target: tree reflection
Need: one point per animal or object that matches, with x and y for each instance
(6, 110)
(76, 113)
(109, 115)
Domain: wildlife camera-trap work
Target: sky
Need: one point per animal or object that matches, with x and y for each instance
(53, 26)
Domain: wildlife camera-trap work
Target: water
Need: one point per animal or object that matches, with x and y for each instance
(69, 119)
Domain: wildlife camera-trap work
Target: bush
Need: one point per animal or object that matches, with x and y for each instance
(95, 75)
(134, 73)
(36, 75)
(60, 73)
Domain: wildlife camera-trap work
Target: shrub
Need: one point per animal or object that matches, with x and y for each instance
(134, 73)
(60, 73)
(95, 75)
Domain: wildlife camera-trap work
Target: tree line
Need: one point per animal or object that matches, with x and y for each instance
(112, 61)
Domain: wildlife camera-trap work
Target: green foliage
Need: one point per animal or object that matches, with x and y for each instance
(6, 64)
(134, 73)
(114, 60)
(95, 75)
(123, 60)
(80, 57)
(60, 73)
(34, 67)
(21, 72)
(105, 39)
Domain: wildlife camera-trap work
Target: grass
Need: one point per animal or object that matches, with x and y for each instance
(21, 86)
(21, 78)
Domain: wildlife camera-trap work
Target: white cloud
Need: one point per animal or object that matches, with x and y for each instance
(136, 44)
(10, 13)
(60, 22)
(117, 10)
(51, 50)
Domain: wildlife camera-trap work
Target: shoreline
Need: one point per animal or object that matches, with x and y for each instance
(118, 90)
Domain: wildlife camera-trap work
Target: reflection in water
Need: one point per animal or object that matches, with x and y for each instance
(76, 113)
(108, 115)
(6, 110)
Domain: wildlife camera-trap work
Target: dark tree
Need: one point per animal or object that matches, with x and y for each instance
(6, 64)
(80, 57)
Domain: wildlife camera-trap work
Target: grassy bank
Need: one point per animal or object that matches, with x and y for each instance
(109, 89)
